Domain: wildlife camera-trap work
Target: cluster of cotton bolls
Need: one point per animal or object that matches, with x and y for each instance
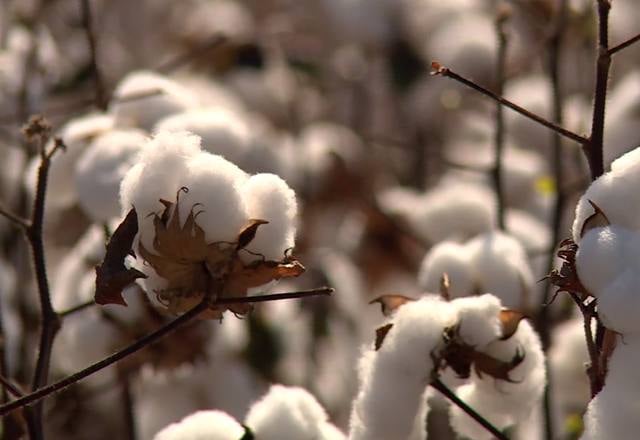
(261, 139)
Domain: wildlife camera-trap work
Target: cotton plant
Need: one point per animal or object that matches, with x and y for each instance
(600, 262)
(284, 413)
(498, 356)
(199, 227)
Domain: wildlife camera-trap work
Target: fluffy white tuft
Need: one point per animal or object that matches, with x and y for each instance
(450, 258)
(203, 425)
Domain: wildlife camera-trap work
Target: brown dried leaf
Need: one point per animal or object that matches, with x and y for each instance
(485, 364)
(390, 303)
(596, 220)
(111, 275)
(381, 334)
(248, 232)
(509, 321)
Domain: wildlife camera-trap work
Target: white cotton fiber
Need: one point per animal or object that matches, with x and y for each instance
(393, 379)
(223, 131)
(268, 197)
(289, 413)
(501, 267)
(478, 317)
(613, 413)
(203, 425)
(100, 170)
(142, 98)
(450, 258)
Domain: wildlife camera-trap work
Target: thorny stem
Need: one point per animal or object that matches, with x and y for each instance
(442, 388)
(38, 394)
(444, 71)
(101, 100)
(499, 128)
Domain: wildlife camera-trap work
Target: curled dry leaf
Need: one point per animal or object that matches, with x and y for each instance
(390, 303)
(485, 364)
(194, 268)
(112, 276)
(596, 220)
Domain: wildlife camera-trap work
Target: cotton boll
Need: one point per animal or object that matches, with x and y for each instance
(164, 97)
(203, 425)
(619, 302)
(601, 256)
(532, 233)
(76, 135)
(215, 183)
(478, 317)
(450, 258)
(393, 379)
(532, 93)
(455, 211)
(100, 170)
(199, 20)
(500, 266)
(287, 413)
(223, 131)
(269, 198)
(613, 412)
(622, 133)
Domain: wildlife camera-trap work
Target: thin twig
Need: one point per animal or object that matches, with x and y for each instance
(594, 358)
(101, 100)
(76, 309)
(275, 296)
(134, 347)
(438, 69)
(497, 172)
(624, 45)
(442, 388)
(11, 387)
(18, 221)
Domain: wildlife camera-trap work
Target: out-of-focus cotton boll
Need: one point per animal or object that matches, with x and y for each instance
(455, 211)
(450, 258)
(531, 232)
(393, 379)
(143, 98)
(11, 323)
(289, 413)
(76, 135)
(267, 196)
(466, 43)
(203, 425)
(199, 20)
(623, 118)
(223, 131)
(398, 200)
(101, 169)
(370, 23)
(504, 403)
(532, 93)
(613, 413)
(568, 358)
(501, 267)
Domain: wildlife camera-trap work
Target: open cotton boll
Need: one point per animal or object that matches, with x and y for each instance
(100, 170)
(455, 211)
(76, 135)
(142, 98)
(288, 413)
(203, 425)
(269, 198)
(450, 258)
(393, 379)
(223, 131)
(478, 316)
(321, 141)
(504, 403)
(532, 233)
(622, 133)
(501, 267)
(613, 412)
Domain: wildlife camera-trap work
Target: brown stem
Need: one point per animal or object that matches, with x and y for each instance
(497, 172)
(594, 357)
(75, 309)
(624, 45)
(127, 406)
(276, 296)
(442, 388)
(444, 71)
(11, 387)
(100, 100)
